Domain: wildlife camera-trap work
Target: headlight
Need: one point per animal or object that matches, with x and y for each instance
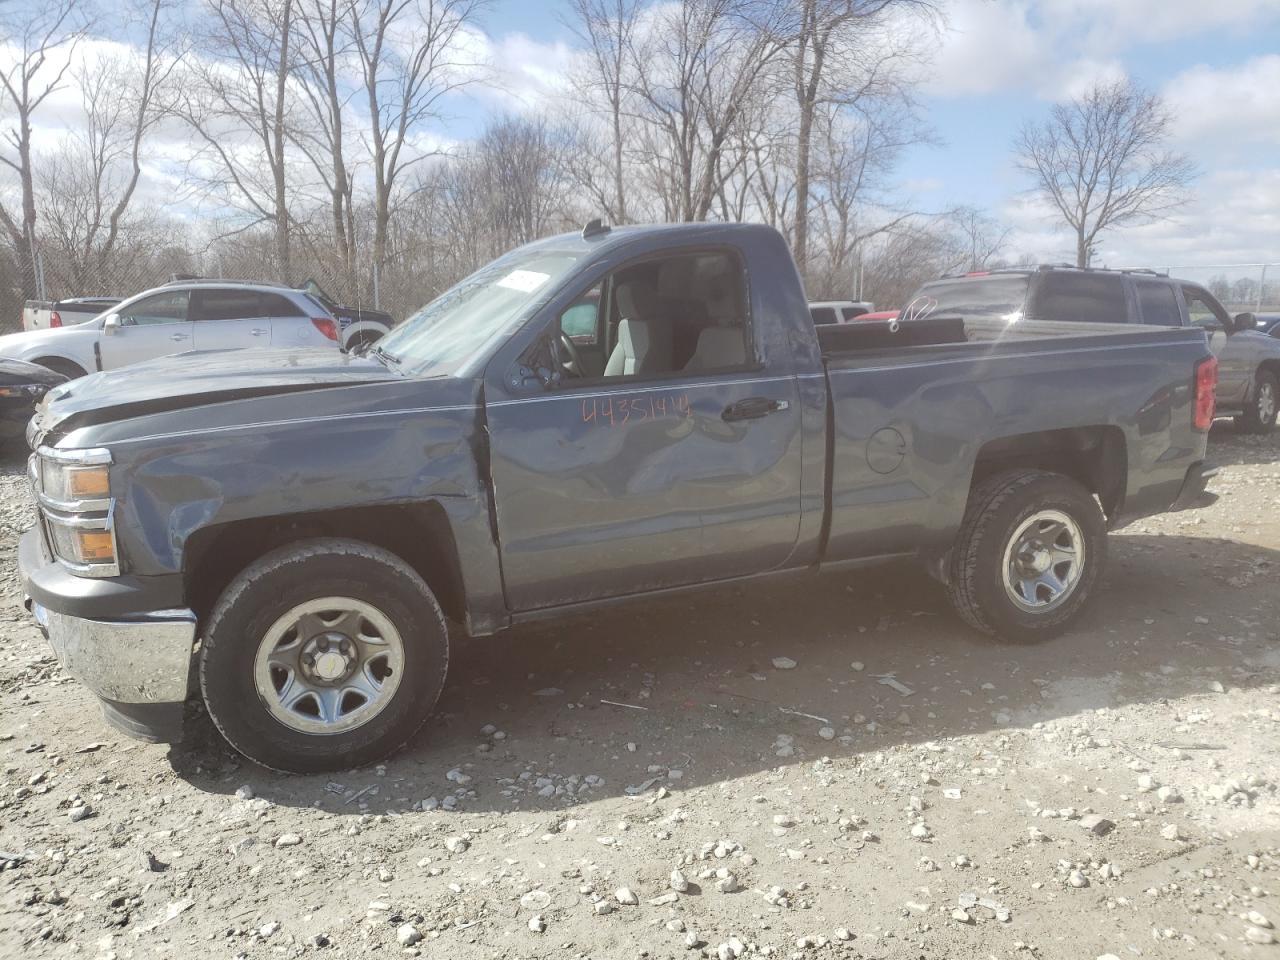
(74, 492)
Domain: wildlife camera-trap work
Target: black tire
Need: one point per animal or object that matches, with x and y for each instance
(1259, 414)
(278, 583)
(997, 508)
(68, 368)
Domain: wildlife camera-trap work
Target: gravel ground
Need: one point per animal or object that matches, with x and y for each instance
(1113, 792)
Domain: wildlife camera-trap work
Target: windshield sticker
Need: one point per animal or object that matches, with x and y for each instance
(526, 281)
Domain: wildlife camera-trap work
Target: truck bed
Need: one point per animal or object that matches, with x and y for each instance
(913, 410)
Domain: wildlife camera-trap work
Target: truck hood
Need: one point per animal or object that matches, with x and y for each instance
(198, 378)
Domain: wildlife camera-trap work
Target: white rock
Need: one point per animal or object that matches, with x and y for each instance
(827, 733)
(783, 663)
(843, 934)
(961, 916)
(1168, 795)
(1259, 936)
(288, 840)
(603, 908)
(537, 924)
(81, 811)
(858, 665)
(679, 882)
(267, 929)
(1258, 920)
(244, 792)
(1077, 879)
(407, 935)
(457, 844)
(1146, 783)
(625, 896)
(1170, 831)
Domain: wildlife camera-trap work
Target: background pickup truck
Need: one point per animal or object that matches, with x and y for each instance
(1248, 360)
(314, 517)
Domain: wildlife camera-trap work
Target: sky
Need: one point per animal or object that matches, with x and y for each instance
(994, 64)
(998, 63)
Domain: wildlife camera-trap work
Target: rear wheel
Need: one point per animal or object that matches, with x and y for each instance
(1260, 412)
(1027, 556)
(323, 655)
(68, 368)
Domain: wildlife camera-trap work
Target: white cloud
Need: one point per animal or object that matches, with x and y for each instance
(1056, 48)
(1235, 219)
(1227, 107)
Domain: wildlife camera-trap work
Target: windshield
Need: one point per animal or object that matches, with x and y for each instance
(995, 296)
(489, 304)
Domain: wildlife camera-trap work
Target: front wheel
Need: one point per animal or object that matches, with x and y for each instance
(1028, 555)
(1260, 412)
(323, 655)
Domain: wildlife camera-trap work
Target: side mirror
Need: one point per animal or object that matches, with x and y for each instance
(110, 324)
(1245, 321)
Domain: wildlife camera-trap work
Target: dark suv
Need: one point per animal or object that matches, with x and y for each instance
(1248, 359)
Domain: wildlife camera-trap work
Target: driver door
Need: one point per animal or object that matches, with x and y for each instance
(155, 326)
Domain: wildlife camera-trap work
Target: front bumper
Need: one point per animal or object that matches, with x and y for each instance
(1194, 486)
(139, 665)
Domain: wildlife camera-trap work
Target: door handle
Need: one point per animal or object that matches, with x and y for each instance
(752, 408)
(178, 336)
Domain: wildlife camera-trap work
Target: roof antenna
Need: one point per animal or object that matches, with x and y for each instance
(594, 228)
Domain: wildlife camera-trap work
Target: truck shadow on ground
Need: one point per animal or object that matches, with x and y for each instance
(685, 690)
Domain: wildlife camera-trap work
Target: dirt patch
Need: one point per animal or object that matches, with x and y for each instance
(907, 789)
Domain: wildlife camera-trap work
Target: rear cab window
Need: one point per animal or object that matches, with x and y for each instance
(823, 315)
(998, 295)
(1079, 297)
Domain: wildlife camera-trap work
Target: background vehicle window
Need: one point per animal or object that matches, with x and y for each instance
(580, 321)
(849, 313)
(226, 305)
(1203, 311)
(162, 308)
(823, 315)
(1080, 297)
(993, 296)
(1158, 303)
(274, 305)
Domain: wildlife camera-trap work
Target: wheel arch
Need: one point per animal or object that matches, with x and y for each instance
(363, 330)
(420, 534)
(1096, 457)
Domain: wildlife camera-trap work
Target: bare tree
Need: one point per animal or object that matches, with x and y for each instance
(980, 238)
(86, 187)
(324, 46)
(695, 72)
(43, 37)
(240, 104)
(412, 55)
(607, 28)
(1101, 161)
(867, 65)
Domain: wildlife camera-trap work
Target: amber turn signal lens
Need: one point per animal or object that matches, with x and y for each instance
(95, 546)
(88, 483)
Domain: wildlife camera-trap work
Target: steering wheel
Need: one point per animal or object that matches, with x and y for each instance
(574, 356)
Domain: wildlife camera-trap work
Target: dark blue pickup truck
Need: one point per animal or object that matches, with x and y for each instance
(592, 418)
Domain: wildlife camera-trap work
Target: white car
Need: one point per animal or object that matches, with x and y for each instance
(177, 318)
(838, 311)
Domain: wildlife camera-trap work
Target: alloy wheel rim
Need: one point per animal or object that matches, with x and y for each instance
(329, 665)
(1266, 403)
(1043, 561)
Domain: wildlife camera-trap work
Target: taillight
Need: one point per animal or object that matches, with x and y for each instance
(326, 326)
(1206, 390)
(55, 320)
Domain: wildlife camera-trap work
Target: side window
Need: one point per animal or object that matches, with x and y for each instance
(226, 305)
(850, 313)
(162, 308)
(580, 321)
(823, 315)
(274, 305)
(1158, 304)
(1203, 311)
(1080, 297)
(681, 315)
